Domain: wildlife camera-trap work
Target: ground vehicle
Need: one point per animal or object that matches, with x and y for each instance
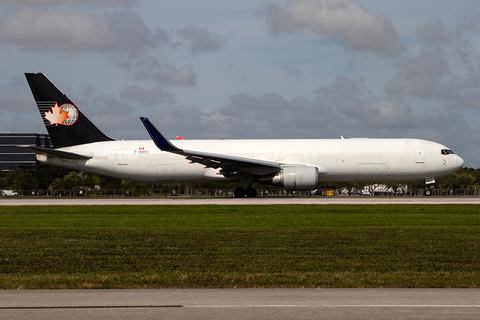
(9, 193)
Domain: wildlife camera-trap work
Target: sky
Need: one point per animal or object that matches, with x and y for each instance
(251, 69)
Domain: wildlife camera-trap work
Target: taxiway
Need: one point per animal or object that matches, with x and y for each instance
(242, 304)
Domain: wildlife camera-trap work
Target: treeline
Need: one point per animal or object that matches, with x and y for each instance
(47, 179)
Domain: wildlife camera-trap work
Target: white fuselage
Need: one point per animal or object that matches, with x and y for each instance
(337, 159)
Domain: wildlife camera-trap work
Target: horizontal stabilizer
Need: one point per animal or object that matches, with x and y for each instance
(55, 153)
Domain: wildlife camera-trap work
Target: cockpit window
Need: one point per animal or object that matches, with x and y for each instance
(447, 151)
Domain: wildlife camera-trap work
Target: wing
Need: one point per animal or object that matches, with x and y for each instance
(230, 165)
(55, 153)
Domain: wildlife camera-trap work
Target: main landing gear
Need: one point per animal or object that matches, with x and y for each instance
(245, 192)
(428, 192)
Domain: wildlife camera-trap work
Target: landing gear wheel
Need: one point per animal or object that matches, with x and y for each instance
(239, 193)
(428, 192)
(251, 193)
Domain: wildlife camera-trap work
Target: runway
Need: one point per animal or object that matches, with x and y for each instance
(49, 201)
(242, 304)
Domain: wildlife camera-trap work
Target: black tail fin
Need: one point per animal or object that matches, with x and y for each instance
(66, 124)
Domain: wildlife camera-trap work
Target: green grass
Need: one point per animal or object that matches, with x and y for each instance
(239, 246)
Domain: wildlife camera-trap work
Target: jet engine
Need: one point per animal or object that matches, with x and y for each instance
(294, 178)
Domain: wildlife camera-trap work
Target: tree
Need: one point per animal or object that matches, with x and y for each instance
(465, 180)
(2, 180)
(71, 180)
(20, 179)
(45, 174)
(56, 184)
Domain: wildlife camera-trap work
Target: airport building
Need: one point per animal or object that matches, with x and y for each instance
(12, 157)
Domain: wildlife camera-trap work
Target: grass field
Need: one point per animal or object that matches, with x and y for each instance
(240, 246)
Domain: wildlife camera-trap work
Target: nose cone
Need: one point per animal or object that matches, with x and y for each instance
(459, 162)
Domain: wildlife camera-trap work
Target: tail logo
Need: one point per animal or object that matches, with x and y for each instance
(65, 115)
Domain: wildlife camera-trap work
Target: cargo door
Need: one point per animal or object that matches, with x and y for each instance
(419, 155)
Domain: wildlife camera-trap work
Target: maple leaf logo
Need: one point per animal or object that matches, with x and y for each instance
(56, 116)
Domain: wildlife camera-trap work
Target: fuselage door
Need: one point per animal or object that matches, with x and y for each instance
(419, 155)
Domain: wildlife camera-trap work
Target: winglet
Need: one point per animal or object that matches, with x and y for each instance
(160, 141)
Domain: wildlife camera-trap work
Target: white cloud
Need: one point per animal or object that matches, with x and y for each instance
(292, 72)
(468, 22)
(13, 97)
(17, 108)
(122, 3)
(201, 40)
(446, 68)
(338, 20)
(36, 30)
(247, 116)
(359, 108)
(148, 97)
(149, 68)
(435, 32)
(420, 75)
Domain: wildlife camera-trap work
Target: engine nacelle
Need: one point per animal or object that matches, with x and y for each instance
(295, 178)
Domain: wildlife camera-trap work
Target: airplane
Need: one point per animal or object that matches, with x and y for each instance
(293, 164)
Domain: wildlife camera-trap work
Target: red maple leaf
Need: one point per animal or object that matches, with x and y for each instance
(56, 116)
